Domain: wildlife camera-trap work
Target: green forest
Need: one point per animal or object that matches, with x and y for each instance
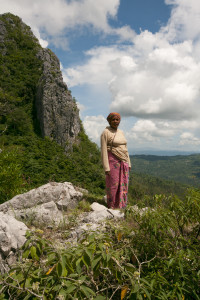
(180, 168)
(153, 253)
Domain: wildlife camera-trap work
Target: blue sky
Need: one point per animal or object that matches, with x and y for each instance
(137, 57)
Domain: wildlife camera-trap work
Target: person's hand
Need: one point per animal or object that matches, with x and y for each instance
(107, 172)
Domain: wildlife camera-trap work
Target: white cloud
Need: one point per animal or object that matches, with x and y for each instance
(188, 138)
(56, 18)
(150, 131)
(94, 126)
(42, 42)
(156, 79)
(97, 69)
(160, 86)
(81, 108)
(184, 23)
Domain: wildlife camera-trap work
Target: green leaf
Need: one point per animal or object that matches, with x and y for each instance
(27, 297)
(170, 262)
(28, 283)
(100, 298)
(33, 253)
(51, 258)
(63, 262)
(147, 293)
(87, 291)
(181, 268)
(78, 266)
(69, 265)
(95, 262)
(86, 260)
(70, 289)
(59, 269)
(26, 253)
(89, 253)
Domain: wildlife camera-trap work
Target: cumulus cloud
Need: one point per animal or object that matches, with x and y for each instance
(97, 69)
(184, 23)
(81, 108)
(151, 131)
(160, 86)
(56, 18)
(94, 125)
(188, 138)
(156, 79)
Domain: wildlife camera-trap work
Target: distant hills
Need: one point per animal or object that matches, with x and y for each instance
(162, 152)
(183, 169)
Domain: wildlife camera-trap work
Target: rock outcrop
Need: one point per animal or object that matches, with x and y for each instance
(12, 237)
(63, 194)
(46, 207)
(94, 221)
(57, 112)
(54, 107)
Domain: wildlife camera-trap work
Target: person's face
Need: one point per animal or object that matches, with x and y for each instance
(114, 123)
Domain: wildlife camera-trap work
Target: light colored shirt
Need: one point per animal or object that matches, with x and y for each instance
(113, 140)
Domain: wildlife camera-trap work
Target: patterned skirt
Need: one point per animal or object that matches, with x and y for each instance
(117, 182)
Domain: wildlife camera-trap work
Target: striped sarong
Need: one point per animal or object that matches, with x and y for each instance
(117, 182)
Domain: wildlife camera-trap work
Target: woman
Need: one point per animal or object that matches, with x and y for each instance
(116, 162)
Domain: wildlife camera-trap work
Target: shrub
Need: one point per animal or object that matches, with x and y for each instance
(152, 254)
(11, 177)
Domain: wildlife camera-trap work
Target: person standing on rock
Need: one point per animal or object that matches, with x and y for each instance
(116, 162)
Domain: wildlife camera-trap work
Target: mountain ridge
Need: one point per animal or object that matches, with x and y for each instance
(179, 168)
(41, 134)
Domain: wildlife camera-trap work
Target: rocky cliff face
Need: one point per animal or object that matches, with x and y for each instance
(56, 110)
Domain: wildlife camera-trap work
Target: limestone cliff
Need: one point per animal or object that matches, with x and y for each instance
(56, 111)
(36, 103)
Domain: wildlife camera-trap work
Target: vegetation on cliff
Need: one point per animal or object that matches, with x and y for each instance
(27, 159)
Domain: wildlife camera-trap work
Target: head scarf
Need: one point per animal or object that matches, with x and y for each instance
(112, 115)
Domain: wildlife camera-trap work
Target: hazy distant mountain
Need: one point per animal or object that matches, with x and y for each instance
(179, 168)
(162, 152)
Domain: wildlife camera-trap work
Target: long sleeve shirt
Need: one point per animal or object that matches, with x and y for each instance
(113, 140)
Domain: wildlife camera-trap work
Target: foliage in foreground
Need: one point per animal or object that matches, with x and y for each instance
(152, 254)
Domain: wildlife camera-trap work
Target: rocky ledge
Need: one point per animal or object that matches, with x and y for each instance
(48, 207)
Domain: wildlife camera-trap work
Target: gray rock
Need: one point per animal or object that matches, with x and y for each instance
(12, 237)
(102, 212)
(98, 207)
(66, 204)
(12, 233)
(94, 221)
(46, 193)
(84, 191)
(57, 112)
(45, 215)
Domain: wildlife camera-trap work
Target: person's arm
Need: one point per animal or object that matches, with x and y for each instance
(104, 152)
(129, 162)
